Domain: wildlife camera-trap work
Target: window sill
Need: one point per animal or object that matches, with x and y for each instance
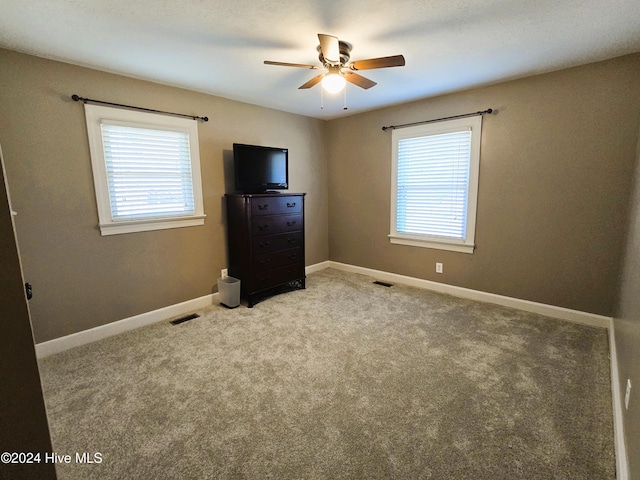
(443, 245)
(132, 226)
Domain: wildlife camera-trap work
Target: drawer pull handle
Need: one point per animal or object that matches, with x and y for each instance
(291, 205)
(264, 244)
(291, 224)
(293, 257)
(263, 227)
(291, 240)
(264, 262)
(263, 207)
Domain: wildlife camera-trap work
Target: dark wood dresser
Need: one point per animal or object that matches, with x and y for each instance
(266, 242)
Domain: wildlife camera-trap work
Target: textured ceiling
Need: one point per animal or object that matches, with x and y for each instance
(218, 47)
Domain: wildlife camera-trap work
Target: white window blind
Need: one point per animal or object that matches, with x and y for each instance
(148, 172)
(433, 180)
(435, 171)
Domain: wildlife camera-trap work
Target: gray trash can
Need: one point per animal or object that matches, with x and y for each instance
(229, 292)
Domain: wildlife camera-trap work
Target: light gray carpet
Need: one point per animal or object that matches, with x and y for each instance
(345, 379)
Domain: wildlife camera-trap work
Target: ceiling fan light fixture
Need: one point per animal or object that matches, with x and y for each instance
(333, 83)
(337, 68)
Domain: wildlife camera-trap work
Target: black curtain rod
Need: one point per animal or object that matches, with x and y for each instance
(484, 112)
(76, 98)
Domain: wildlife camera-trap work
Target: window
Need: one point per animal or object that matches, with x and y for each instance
(146, 170)
(435, 184)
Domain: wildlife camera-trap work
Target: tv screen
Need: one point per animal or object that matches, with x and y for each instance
(258, 169)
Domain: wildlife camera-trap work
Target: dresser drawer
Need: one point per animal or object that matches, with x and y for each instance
(273, 243)
(267, 261)
(275, 205)
(272, 224)
(278, 276)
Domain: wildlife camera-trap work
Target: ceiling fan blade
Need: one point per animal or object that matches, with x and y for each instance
(382, 62)
(314, 81)
(359, 80)
(284, 64)
(330, 48)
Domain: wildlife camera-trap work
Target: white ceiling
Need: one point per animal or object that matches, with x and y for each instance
(218, 46)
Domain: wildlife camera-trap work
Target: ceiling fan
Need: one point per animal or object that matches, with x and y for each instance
(334, 54)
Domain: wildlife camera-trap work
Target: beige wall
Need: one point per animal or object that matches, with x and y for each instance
(627, 332)
(555, 178)
(81, 279)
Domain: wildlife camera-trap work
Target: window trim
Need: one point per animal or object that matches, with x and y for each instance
(468, 244)
(94, 115)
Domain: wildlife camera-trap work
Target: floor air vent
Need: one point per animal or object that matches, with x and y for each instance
(184, 319)
(384, 284)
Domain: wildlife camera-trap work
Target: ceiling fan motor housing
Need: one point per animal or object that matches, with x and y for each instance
(345, 53)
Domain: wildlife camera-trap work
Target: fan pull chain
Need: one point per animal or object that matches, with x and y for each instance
(321, 98)
(345, 98)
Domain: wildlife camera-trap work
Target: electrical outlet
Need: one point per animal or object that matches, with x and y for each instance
(627, 395)
(223, 273)
(438, 267)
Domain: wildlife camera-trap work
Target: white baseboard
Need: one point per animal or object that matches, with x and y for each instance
(87, 336)
(622, 465)
(61, 344)
(317, 267)
(576, 316)
(76, 339)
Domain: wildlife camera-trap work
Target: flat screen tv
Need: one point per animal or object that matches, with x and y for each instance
(259, 169)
